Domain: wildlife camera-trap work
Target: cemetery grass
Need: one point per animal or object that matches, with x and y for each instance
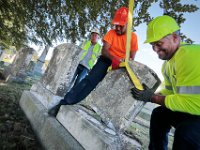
(15, 130)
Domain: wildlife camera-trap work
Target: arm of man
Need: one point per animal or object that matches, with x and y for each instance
(132, 55)
(105, 50)
(148, 95)
(158, 99)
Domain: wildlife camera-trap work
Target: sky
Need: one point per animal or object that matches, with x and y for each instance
(145, 54)
(191, 28)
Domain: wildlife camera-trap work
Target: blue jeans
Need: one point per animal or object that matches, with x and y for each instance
(187, 130)
(83, 89)
(80, 73)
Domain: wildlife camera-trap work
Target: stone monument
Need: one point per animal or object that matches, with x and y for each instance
(20, 64)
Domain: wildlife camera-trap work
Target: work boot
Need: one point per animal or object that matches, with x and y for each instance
(54, 110)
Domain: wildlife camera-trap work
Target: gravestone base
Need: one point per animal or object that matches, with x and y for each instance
(72, 129)
(50, 132)
(92, 133)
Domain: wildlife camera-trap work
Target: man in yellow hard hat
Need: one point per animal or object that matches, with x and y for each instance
(180, 99)
(113, 52)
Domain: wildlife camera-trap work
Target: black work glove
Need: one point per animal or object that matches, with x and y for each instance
(142, 95)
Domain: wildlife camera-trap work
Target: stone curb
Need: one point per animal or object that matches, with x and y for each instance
(51, 134)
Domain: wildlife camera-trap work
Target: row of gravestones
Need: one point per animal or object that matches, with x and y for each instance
(109, 109)
(111, 101)
(22, 66)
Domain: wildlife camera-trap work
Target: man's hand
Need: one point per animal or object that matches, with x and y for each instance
(142, 95)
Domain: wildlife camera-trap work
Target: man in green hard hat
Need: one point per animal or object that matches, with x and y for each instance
(180, 98)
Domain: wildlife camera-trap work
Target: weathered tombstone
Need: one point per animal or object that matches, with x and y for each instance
(112, 99)
(55, 82)
(20, 63)
(100, 120)
(58, 76)
(110, 109)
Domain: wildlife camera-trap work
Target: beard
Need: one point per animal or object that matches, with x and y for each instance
(162, 54)
(118, 32)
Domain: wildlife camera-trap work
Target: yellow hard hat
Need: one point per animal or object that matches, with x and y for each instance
(160, 27)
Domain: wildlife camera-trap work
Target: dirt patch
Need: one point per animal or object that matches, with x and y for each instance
(15, 130)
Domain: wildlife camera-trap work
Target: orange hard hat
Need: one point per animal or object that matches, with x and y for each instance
(121, 16)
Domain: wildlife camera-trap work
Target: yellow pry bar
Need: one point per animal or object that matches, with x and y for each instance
(133, 77)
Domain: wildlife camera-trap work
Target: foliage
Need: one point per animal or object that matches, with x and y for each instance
(42, 22)
(176, 10)
(12, 24)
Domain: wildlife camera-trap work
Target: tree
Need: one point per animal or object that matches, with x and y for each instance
(12, 25)
(176, 10)
(42, 22)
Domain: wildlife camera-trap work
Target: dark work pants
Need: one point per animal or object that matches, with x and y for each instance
(83, 89)
(187, 130)
(80, 73)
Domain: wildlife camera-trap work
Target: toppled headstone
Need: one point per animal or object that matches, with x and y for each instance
(112, 108)
(112, 99)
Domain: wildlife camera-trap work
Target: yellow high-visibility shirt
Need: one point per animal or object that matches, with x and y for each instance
(182, 80)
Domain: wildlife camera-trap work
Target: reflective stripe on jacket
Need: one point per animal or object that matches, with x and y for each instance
(95, 53)
(182, 80)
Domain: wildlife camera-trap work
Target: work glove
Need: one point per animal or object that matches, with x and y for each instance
(142, 95)
(115, 63)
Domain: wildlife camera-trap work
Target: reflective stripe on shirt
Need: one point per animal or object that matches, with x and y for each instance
(188, 89)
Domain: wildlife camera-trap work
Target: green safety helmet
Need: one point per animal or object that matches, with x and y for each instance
(160, 27)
